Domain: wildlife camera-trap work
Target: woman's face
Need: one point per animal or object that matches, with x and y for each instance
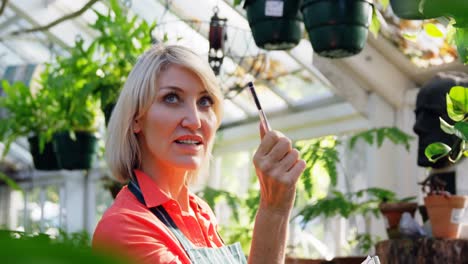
(176, 129)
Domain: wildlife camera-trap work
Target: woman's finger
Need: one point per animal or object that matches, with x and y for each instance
(288, 161)
(267, 143)
(282, 147)
(296, 170)
(262, 130)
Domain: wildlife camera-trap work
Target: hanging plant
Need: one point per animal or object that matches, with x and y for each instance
(275, 24)
(337, 28)
(455, 10)
(123, 37)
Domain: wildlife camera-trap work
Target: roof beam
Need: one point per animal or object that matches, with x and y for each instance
(418, 75)
(335, 78)
(377, 74)
(340, 80)
(332, 119)
(34, 23)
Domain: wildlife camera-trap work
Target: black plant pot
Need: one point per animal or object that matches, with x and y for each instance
(337, 28)
(47, 160)
(277, 29)
(75, 154)
(408, 9)
(107, 110)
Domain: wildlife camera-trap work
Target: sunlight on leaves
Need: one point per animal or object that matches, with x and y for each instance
(433, 31)
(410, 36)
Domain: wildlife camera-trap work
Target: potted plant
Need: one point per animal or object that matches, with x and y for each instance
(309, 204)
(445, 210)
(122, 38)
(75, 111)
(337, 28)
(392, 209)
(454, 10)
(275, 25)
(27, 117)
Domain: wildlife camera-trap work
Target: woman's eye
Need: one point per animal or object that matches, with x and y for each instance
(171, 98)
(206, 101)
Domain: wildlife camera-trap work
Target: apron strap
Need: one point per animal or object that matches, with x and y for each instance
(162, 215)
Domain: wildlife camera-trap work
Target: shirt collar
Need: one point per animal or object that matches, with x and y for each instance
(151, 192)
(154, 196)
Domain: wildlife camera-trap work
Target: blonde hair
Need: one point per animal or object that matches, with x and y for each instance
(123, 153)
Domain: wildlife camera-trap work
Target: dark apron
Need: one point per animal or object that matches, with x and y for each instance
(225, 254)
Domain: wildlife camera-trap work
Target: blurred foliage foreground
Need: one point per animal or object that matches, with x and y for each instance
(21, 248)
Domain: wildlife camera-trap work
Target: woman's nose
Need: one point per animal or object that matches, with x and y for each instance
(191, 118)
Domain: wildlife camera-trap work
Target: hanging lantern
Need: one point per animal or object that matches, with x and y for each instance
(217, 38)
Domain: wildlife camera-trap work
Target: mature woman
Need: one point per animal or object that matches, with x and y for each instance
(159, 137)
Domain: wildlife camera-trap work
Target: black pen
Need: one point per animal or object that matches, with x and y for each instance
(262, 115)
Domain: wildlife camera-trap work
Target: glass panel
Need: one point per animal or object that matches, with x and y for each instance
(8, 57)
(42, 211)
(287, 63)
(232, 112)
(16, 214)
(301, 87)
(269, 101)
(51, 210)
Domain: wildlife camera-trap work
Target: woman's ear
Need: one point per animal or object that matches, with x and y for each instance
(136, 126)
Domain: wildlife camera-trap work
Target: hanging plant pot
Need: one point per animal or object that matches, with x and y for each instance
(337, 28)
(275, 24)
(107, 110)
(445, 213)
(75, 154)
(47, 160)
(408, 9)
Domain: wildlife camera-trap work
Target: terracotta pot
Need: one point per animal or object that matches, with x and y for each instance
(444, 213)
(393, 212)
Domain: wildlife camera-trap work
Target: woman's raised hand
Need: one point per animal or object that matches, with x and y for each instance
(278, 168)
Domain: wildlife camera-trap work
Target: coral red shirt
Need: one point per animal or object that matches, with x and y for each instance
(131, 227)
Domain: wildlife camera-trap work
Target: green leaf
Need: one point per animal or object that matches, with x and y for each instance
(457, 152)
(116, 8)
(392, 133)
(452, 112)
(237, 2)
(436, 151)
(459, 99)
(446, 127)
(380, 137)
(461, 40)
(451, 30)
(11, 183)
(433, 31)
(461, 130)
(374, 27)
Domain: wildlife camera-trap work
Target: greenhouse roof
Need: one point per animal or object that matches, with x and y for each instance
(288, 82)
